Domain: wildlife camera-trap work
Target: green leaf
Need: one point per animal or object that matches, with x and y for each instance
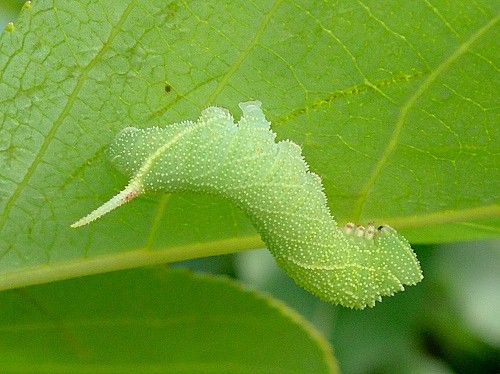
(394, 103)
(155, 321)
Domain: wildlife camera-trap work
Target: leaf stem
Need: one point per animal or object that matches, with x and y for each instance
(125, 260)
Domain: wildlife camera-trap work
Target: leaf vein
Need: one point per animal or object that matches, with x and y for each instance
(60, 120)
(409, 105)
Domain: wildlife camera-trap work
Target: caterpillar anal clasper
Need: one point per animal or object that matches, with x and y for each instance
(270, 181)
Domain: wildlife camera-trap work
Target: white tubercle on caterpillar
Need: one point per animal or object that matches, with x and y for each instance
(353, 266)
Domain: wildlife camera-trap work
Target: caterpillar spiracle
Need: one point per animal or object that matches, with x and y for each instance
(271, 182)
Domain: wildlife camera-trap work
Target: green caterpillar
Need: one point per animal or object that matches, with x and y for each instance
(351, 266)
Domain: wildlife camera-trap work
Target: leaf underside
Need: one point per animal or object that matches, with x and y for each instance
(397, 111)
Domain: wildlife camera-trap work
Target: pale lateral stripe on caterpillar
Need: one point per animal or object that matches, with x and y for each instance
(352, 266)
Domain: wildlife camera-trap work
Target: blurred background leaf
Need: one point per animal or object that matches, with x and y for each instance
(154, 321)
(448, 324)
(9, 10)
